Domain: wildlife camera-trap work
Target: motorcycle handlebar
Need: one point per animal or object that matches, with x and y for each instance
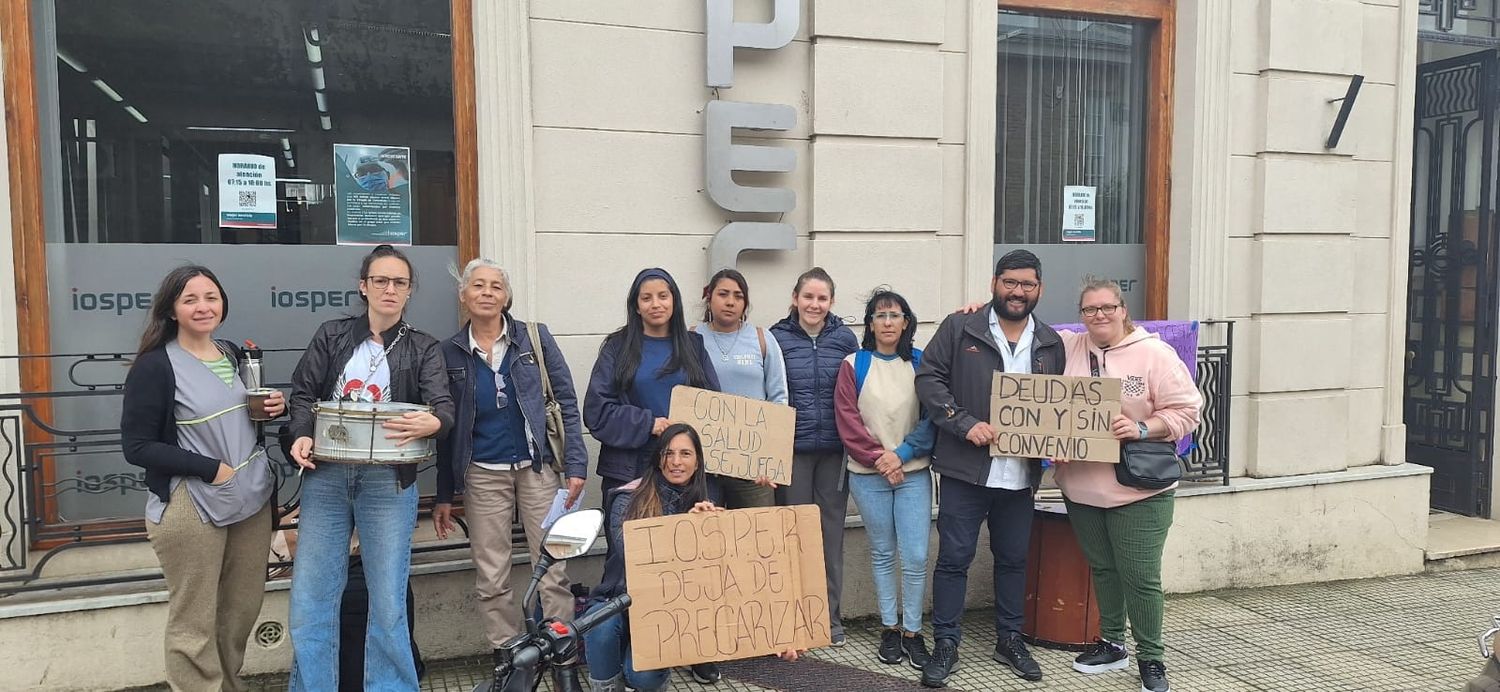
(609, 609)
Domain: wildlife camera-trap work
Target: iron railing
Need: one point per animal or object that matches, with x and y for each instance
(55, 458)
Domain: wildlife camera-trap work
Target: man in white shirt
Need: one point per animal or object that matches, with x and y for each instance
(958, 366)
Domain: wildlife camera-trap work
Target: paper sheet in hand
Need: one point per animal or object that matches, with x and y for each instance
(560, 506)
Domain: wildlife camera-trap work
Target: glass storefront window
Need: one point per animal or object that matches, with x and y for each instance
(273, 141)
(1069, 178)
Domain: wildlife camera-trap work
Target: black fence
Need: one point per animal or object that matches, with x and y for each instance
(64, 483)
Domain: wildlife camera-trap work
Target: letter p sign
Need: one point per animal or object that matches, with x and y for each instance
(724, 35)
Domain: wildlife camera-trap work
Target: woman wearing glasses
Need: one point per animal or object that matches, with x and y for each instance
(373, 357)
(1121, 528)
(498, 455)
(208, 514)
(887, 439)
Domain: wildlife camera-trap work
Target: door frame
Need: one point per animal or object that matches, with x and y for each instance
(1159, 17)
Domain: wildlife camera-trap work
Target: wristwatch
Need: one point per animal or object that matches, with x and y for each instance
(1141, 426)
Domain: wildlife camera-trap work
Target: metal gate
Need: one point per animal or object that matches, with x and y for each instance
(1451, 308)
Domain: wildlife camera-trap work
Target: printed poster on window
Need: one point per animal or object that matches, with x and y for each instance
(247, 191)
(372, 185)
(1078, 213)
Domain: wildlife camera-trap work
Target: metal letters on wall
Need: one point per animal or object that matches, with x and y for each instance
(722, 157)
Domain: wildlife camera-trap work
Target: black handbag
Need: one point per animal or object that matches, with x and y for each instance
(1146, 464)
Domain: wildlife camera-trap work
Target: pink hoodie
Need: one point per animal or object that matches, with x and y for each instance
(1153, 382)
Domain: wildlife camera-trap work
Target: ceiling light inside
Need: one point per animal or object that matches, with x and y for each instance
(111, 93)
(70, 62)
(135, 114)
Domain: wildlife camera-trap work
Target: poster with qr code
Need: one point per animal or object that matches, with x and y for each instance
(373, 186)
(247, 191)
(1078, 213)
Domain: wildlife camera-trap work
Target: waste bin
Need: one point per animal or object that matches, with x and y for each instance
(1061, 612)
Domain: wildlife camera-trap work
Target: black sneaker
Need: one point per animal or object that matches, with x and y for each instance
(916, 650)
(1154, 677)
(1012, 652)
(890, 651)
(1102, 657)
(705, 673)
(942, 663)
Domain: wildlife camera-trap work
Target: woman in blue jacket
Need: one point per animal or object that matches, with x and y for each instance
(630, 390)
(814, 343)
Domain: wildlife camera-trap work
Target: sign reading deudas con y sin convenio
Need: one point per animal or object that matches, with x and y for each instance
(1054, 417)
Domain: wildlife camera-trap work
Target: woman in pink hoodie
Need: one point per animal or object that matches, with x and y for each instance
(1122, 529)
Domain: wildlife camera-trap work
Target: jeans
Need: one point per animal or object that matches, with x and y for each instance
(962, 509)
(607, 649)
(897, 520)
(1123, 545)
(818, 479)
(336, 499)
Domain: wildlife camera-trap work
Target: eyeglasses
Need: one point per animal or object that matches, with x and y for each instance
(1092, 310)
(501, 398)
(380, 283)
(1025, 286)
(889, 316)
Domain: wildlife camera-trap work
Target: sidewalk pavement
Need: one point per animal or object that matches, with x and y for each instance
(1403, 633)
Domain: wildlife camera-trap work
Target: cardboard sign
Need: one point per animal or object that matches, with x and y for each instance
(742, 438)
(1054, 417)
(719, 586)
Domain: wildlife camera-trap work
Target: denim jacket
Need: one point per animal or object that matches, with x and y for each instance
(456, 450)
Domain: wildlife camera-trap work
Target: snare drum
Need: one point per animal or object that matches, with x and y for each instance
(350, 432)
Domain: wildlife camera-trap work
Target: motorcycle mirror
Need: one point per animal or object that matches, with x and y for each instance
(573, 534)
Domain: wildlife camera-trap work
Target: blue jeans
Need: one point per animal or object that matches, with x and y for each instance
(897, 520)
(962, 509)
(607, 648)
(337, 498)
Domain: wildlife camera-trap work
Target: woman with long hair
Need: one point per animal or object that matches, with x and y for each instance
(674, 483)
(186, 421)
(748, 362)
(630, 389)
(374, 357)
(1122, 528)
(814, 343)
(888, 439)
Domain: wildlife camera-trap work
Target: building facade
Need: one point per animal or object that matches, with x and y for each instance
(1184, 147)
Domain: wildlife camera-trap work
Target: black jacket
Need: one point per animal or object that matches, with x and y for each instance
(148, 423)
(456, 449)
(417, 375)
(954, 381)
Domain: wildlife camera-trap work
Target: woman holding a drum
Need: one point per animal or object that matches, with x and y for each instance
(186, 421)
(366, 370)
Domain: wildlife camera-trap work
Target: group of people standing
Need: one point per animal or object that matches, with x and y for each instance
(875, 417)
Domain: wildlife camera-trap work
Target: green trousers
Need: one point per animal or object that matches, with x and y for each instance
(1123, 545)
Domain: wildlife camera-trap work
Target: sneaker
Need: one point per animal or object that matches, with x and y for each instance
(838, 641)
(1012, 652)
(1101, 657)
(705, 673)
(890, 651)
(942, 663)
(1154, 677)
(916, 650)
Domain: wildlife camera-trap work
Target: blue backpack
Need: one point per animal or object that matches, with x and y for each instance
(862, 360)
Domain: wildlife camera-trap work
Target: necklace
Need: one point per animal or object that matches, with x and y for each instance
(719, 343)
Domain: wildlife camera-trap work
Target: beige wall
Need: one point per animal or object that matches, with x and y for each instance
(1316, 238)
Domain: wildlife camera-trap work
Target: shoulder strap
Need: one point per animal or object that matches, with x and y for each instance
(541, 357)
(861, 368)
(761, 335)
(1093, 364)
